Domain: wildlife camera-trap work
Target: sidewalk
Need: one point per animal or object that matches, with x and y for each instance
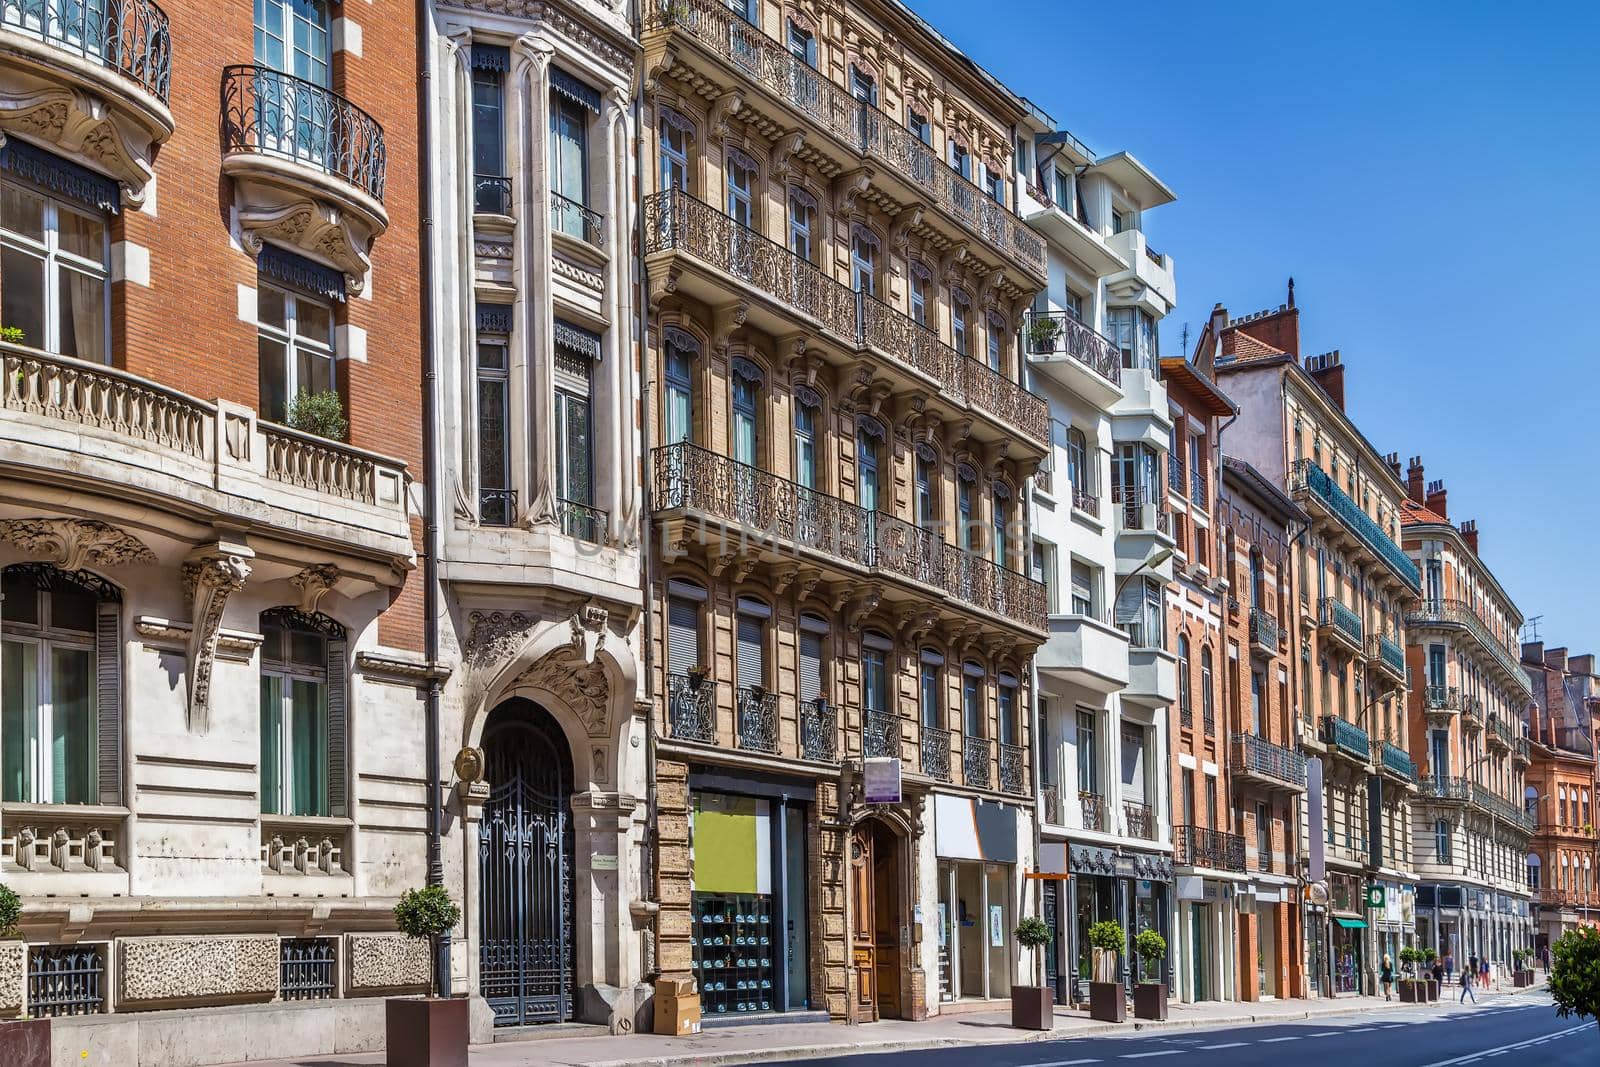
(779, 1041)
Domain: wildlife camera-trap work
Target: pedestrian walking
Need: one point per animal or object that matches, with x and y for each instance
(1466, 987)
(1472, 967)
(1484, 971)
(1450, 965)
(1438, 972)
(1386, 975)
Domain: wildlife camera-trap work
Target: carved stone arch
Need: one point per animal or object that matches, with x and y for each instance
(803, 20)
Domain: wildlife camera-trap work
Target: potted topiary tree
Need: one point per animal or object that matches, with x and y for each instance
(1575, 973)
(431, 1031)
(24, 1042)
(1106, 1000)
(1150, 994)
(1042, 333)
(1033, 1006)
(1522, 973)
(1408, 985)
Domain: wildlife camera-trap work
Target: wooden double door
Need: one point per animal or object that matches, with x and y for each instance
(876, 902)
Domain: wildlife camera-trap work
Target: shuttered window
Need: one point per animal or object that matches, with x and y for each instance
(683, 634)
(812, 632)
(750, 653)
(972, 700)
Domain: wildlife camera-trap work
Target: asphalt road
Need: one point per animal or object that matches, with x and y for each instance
(1523, 1029)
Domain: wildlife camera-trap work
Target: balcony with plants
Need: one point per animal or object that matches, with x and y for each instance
(1086, 361)
(683, 231)
(704, 43)
(89, 80)
(307, 165)
(1340, 517)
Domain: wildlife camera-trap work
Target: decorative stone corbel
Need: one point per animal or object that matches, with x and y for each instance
(727, 320)
(656, 69)
(900, 231)
(589, 630)
(914, 623)
(783, 153)
(848, 186)
(210, 576)
(951, 264)
(73, 544)
(988, 288)
(313, 584)
(723, 109)
(863, 602)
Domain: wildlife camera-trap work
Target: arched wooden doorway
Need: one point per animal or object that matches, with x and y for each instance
(875, 887)
(525, 860)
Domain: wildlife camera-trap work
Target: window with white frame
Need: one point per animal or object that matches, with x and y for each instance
(569, 168)
(59, 669)
(1084, 581)
(741, 184)
(295, 345)
(54, 260)
(863, 260)
(677, 141)
(960, 322)
(497, 503)
(805, 440)
(802, 222)
(921, 286)
(302, 714)
(1134, 333)
(575, 352)
(679, 415)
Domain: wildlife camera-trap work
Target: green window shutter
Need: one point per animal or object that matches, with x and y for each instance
(338, 729)
(108, 700)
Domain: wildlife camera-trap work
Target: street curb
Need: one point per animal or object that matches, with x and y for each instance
(727, 1059)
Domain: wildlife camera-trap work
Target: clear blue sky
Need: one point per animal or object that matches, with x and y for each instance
(1430, 176)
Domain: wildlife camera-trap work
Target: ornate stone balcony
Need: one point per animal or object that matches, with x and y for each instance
(1461, 617)
(130, 444)
(88, 81)
(307, 165)
(703, 43)
(743, 509)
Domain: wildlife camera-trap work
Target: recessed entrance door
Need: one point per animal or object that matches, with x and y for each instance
(1199, 929)
(525, 859)
(874, 885)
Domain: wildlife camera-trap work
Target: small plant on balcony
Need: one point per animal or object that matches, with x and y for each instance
(321, 414)
(1042, 334)
(11, 335)
(698, 675)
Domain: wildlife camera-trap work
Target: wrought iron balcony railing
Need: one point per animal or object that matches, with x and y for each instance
(773, 511)
(582, 521)
(1346, 736)
(936, 753)
(691, 708)
(880, 735)
(1443, 787)
(1441, 698)
(575, 220)
(1385, 654)
(1175, 473)
(1198, 846)
(1138, 508)
(975, 761)
(1308, 478)
(1051, 798)
(856, 123)
(1397, 761)
(1056, 333)
(1086, 502)
(1197, 488)
(1092, 806)
(130, 37)
(1333, 616)
(1013, 768)
(819, 731)
(1259, 757)
(758, 719)
(1507, 654)
(491, 194)
(1140, 820)
(272, 113)
(1504, 810)
(497, 507)
(1264, 631)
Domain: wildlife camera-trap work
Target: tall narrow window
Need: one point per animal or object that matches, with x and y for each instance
(994, 183)
(919, 126)
(1078, 463)
(1088, 755)
(295, 344)
(802, 44)
(994, 342)
(746, 420)
(574, 432)
(926, 477)
(302, 714)
(805, 441)
(679, 417)
(813, 635)
(1263, 835)
(960, 313)
(1185, 701)
(928, 689)
(961, 160)
(1002, 527)
(750, 644)
(869, 439)
(1207, 701)
(1441, 840)
(569, 169)
(875, 648)
(54, 266)
(863, 260)
(683, 629)
(972, 700)
(293, 37)
(491, 185)
(58, 646)
(1258, 700)
(1006, 706)
(1082, 588)
(966, 487)
(741, 181)
(863, 86)
(497, 502)
(921, 282)
(677, 140)
(802, 222)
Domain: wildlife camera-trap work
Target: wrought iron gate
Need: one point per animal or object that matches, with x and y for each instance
(525, 856)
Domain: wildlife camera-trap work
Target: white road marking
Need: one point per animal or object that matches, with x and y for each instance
(1363, 1030)
(1147, 1055)
(1391, 1026)
(1062, 1063)
(1276, 1040)
(1230, 1044)
(1474, 1057)
(1327, 1033)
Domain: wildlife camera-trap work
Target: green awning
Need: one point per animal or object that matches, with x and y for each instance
(1351, 924)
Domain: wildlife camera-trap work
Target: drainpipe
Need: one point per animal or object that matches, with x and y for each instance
(430, 462)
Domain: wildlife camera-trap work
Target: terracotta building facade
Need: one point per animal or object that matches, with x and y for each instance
(213, 787)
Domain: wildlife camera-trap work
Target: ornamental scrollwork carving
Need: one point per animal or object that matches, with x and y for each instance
(313, 584)
(582, 687)
(493, 636)
(73, 544)
(208, 582)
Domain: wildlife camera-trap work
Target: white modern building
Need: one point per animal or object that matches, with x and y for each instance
(535, 402)
(1103, 546)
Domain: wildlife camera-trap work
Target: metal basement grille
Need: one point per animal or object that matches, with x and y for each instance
(66, 980)
(306, 968)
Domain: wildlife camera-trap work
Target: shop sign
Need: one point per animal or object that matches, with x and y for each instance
(1375, 896)
(997, 926)
(881, 780)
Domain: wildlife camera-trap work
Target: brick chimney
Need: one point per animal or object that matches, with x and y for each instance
(1392, 461)
(1414, 479)
(1469, 534)
(1533, 651)
(1436, 499)
(1583, 664)
(1328, 372)
(1556, 659)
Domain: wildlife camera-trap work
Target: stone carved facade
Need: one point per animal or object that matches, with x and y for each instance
(186, 968)
(13, 973)
(73, 544)
(388, 961)
(208, 583)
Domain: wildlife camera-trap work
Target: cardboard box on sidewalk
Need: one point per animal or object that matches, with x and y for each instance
(674, 987)
(679, 1016)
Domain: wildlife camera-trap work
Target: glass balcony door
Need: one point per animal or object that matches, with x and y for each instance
(293, 37)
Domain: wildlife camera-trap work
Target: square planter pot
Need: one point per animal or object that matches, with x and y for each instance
(1433, 990)
(426, 1032)
(1032, 1007)
(1150, 1000)
(25, 1043)
(1408, 991)
(1107, 1003)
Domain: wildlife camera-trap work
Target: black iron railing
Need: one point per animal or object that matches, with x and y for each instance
(1013, 768)
(497, 507)
(1056, 333)
(975, 761)
(575, 220)
(1263, 631)
(691, 708)
(272, 113)
(1140, 820)
(582, 521)
(66, 980)
(306, 968)
(131, 37)
(758, 719)
(1198, 846)
(880, 735)
(491, 194)
(1259, 757)
(819, 731)
(936, 753)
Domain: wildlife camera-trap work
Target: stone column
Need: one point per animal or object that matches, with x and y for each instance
(614, 412)
(606, 946)
(534, 319)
